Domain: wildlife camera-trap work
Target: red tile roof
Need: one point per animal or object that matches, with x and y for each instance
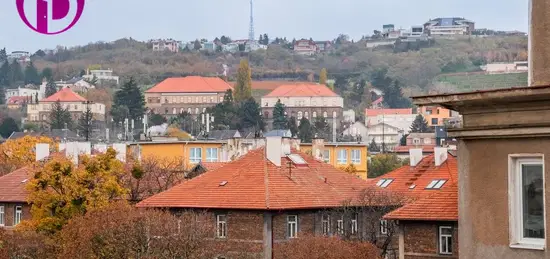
(213, 165)
(12, 186)
(302, 90)
(420, 177)
(376, 112)
(440, 206)
(191, 84)
(405, 149)
(65, 95)
(379, 100)
(252, 182)
(19, 100)
(270, 85)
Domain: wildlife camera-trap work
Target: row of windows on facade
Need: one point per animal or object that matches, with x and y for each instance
(302, 103)
(70, 107)
(18, 215)
(44, 117)
(183, 99)
(181, 110)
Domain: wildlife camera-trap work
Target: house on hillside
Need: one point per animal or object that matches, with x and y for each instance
(77, 84)
(305, 47)
(305, 101)
(27, 91)
(384, 134)
(167, 44)
(101, 75)
(270, 195)
(18, 102)
(192, 94)
(449, 26)
(399, 118)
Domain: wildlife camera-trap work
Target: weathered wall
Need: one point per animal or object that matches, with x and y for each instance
(9, 212)
(421, 239)
(483, 196)
(539, 40)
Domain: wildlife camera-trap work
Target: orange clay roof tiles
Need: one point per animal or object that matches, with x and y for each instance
(302, 90)
(440, 206)
(12, 186)
(191, 84)
(65, 95)
(252, 182)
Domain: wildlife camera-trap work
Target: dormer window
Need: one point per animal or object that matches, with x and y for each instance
(383, 183)
(436, 184)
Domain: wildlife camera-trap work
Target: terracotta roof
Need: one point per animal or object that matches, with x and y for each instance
(213, 165)
(65, 95)
(19, 100)
(12, 186)
(251, 182)
(270, 85)
(440, 206)
(420, 177)
(405, 149)
(379, 100)
(302, 90)
(376, 112)
(191, 84)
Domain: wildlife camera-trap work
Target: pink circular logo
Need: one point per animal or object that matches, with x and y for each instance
(60, 10)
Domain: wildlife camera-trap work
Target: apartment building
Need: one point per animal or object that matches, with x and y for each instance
(435, 115)
(192, 94)
(305, 100)
(27, 91)
(449, 26)
(399, 118)
(101, 75)
(305, 47)
(268, 196)
(165, 44)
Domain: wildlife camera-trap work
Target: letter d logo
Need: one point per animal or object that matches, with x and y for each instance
(59, 10)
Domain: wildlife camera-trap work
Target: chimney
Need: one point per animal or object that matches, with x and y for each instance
(286, 146)
(74, 149)
(295, 143)
(120, 151)
(539, 42)
(317, 147)
(42, 151)
(440, 155)
(273, 150)
(415, 156)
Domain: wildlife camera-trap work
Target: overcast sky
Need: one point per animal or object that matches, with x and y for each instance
(107, 20)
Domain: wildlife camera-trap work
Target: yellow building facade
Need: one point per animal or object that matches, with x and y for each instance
(341, 155)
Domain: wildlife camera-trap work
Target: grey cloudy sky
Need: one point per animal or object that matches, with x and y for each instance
(107, 20)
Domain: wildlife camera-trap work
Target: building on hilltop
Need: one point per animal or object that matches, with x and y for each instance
(399, 118)
(449, 26)
(77, 84)
(167, 44)
(305, 101)
(76, 105)
(268, 196)
(26, 91)
(101, 75)
(192, 94)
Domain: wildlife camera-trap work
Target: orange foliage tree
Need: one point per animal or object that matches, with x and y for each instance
(18, 153)
(320, 247)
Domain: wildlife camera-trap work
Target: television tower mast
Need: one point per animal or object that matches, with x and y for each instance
(251, 36)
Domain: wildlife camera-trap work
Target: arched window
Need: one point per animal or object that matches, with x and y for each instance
(325, 114)
(299, 115)
(181, 110)
(189, 110)
(314, 115)
(197, 111)
(306, 114)
(174, 111)
(334, 115)
(203, 110)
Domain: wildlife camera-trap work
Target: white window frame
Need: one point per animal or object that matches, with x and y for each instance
(326, 155)
(325, 224)
(515, 201)
(292, 226)
(193, 158)
(2, 216)
(221, 226)
(18, 215)
(383, 227)
(356, 156)
(447, 238)
(340, 226)
(209, 157)
(344, 160)
(383, 183)
(354, 226)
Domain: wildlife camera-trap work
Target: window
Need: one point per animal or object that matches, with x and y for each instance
(325, 114)
(211, 99)
(342, 156)
(356, 156)
(326, 156)
(18, 215)
(354, 226)
(436, 184)
(182, 99)
(416, 141)
(306, 114)
(340, 226)
(434, 121)
(197, 111)
(221, 226)
(325, 224)
(196, 99)
(299, 115)
(526, 192)
(314, 114)
(212, 155)
(446, 240)
(2, 216)
(427, 140)
(292, 223)
(189, 110)
(174, 111)
(196, 155)
(384, 183)
(383, 227)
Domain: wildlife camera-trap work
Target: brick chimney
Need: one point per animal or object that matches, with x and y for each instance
(415, 156)
(317, 147)
(539, 42)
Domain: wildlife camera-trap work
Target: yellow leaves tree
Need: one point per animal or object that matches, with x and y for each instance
(175, 132)
(61, 190)
(323, 77)
(17, 153)
(243, 86)
(350, 169)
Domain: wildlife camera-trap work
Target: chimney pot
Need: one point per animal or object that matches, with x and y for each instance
(415, 156)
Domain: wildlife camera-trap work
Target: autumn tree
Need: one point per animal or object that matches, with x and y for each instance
(243, 86)
(350, 169)
(321, 247)
(280, 120)
(175, 132)
(323, 77)
(60, 118)
(420, 125)
(381, 164)
(17, 153)
(61, 190)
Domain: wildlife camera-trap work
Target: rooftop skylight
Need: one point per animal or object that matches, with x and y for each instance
(383, 183)
(297, 159)
(436, 184)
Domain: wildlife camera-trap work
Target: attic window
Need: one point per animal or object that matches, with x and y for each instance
(24, 181)
(297, 159)
(383, 183)
(412, 186)
(436, 184)
(223, 183)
